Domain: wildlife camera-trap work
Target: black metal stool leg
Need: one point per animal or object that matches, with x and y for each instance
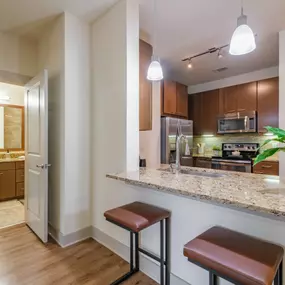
(132, 269)
(279, 275)
(137, 254)
(167, 251)
(213, 278)
(161, 252)
(131, 251)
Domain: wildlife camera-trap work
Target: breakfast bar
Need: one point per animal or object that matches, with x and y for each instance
(202, 198)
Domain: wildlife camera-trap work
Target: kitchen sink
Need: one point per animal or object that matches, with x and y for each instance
(196, 173)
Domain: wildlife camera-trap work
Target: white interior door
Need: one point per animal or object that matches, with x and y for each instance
(36, 164)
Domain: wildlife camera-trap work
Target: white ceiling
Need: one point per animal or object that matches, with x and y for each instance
(18, 13)
(188, 27)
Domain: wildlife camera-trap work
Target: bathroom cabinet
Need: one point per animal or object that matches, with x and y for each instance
(12, 178)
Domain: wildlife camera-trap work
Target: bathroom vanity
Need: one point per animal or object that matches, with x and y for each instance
(12, 179)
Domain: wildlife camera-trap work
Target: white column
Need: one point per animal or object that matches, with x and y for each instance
(132, 102)
(114, 104)
(282, 96)
(115, 88)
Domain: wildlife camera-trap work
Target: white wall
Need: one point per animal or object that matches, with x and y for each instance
(282, 97)
(18, 54)
(64, 50)
(150, 140)
(51, 56)
(77, 125)
(16, 94)
(115, 119)
(235, 80)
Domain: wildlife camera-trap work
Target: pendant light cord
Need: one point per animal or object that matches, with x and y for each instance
(154, 26)
(241, 3)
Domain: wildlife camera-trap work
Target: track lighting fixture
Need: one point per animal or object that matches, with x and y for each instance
(220, 55)
(190, 65)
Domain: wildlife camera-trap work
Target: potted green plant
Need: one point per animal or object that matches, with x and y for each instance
(216, 150)
(279, 136)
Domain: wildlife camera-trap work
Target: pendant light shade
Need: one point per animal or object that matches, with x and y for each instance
(243, 39)
(154, 72)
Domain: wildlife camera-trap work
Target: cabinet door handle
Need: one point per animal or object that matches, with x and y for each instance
(266, 166)
(241, 109)
(258, 172)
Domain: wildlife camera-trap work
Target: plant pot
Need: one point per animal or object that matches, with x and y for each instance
(216, 152)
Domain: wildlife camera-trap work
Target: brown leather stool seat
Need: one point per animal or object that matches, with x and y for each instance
(136, 217)
(236, 257)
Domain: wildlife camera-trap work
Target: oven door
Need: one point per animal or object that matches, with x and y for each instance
(237, 166)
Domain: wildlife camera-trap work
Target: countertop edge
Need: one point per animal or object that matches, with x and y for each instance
(252, 209)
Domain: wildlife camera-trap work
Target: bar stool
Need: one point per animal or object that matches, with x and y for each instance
(236, 257)
(134, 218)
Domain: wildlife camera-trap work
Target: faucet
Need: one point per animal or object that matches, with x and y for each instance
(177, 162)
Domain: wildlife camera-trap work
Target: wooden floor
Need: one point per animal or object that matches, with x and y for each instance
(25, 260)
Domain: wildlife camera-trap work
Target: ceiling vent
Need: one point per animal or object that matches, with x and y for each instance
(222, 69)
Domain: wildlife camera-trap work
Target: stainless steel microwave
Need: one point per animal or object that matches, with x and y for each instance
(240, 122)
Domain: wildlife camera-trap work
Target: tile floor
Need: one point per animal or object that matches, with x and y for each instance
(11, 213)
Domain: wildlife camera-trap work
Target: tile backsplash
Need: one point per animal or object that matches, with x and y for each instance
(218, 140)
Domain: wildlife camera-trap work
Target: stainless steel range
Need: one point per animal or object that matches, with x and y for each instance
(236, 157)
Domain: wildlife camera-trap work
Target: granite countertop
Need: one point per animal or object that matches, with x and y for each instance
(259, 194)
(11, 159)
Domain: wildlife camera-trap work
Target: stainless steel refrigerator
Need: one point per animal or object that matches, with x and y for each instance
(169, 132)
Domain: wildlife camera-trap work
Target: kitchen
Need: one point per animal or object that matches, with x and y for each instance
(197, 198)
(228, 115)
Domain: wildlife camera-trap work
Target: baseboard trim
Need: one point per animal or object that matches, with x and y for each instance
(147, 266)
(69, 239)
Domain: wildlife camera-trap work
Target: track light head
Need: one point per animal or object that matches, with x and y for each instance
(190, 65)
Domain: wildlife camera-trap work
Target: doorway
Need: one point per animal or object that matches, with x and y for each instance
(12, 155)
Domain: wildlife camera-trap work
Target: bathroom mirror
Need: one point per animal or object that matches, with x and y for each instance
(11, 127)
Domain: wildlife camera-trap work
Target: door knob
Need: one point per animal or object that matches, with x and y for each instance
(43, 166)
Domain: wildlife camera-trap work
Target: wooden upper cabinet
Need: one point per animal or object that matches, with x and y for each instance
(174, 99)
(228, 100)
(145, 101)
(238, 98)
(169, 97)
(181, 100)
(268, 103)
(195, 112)
(247, 97)
(210, 112)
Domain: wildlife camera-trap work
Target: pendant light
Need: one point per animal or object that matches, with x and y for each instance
(243, 39)
(154, 72)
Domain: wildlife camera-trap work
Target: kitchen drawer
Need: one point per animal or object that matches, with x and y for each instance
(267, 168)
(7, 165)
(203, 163)
(20, 191)
(20, 164)
(20, 175)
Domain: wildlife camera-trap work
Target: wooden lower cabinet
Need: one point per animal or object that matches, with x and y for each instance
(12, 175)
(7, 184)
(267, 168)
(203, 162)
(20, 191)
